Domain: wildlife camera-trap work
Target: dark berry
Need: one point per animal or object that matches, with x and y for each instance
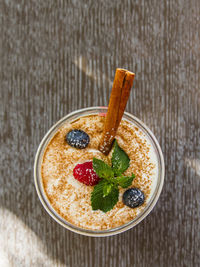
(133, 197)
(78, 139)
(85, 173)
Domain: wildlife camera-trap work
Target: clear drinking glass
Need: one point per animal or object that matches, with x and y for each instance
(39, 185)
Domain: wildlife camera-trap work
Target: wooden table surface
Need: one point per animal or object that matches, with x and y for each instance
(58, 56)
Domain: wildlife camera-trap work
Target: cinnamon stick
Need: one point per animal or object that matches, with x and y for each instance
(122, 84)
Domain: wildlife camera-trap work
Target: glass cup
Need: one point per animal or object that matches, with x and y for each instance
(39, 185)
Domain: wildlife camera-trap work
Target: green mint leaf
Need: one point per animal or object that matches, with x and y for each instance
(102, 169)
(125, 181)
(107, 189)
(101, 202)
(120, 160)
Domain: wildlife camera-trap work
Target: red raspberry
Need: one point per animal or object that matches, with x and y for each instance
(85, 174)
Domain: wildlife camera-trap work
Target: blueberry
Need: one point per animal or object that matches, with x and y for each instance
(78, 139)
(133, 197)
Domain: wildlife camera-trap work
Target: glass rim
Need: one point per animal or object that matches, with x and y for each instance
(96, 233)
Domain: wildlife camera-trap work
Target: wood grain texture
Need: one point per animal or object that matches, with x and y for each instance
(58, 56)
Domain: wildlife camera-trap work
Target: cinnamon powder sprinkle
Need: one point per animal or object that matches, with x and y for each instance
(70, 198)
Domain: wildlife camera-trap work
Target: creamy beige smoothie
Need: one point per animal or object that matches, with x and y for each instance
(71, 198)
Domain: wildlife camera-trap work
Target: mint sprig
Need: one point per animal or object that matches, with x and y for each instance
(107, 189)
(106, 193)
(120, 160)
(102, 169)
(125, 181)
(101, 202)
